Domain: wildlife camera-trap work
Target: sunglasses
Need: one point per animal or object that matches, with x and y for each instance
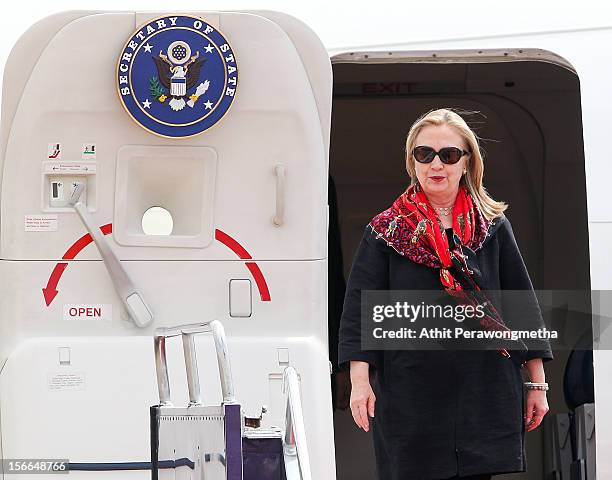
(448, 155)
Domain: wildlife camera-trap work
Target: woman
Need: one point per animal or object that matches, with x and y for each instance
(448, 413)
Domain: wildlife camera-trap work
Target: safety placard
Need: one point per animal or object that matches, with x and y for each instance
(66, 381)
(54, 151)
(40, 223)
(88, 312)
(75, 168)
(89, 151)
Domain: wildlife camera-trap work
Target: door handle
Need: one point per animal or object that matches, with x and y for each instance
(132, 300)
(279, 217)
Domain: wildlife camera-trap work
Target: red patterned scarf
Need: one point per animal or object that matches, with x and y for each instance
(412, 227)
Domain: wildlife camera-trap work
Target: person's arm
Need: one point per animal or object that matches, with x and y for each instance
(535, 370)
(526, 313)
(362, 399)
(536, 405)
(520, 309)
(368, 272)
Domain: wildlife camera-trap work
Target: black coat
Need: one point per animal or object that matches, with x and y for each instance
(446, 412)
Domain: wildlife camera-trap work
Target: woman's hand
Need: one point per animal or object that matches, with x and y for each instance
(362, 396)
(537, 405)
(535, 408)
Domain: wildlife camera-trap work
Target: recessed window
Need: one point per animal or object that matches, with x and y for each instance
(157, 221)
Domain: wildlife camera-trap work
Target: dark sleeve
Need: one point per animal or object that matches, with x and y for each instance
(523, 310)
(370, 271)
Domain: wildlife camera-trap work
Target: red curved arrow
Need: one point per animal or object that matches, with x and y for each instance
(239, 250)
(50, 291)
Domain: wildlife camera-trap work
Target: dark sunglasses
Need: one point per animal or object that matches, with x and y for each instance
(448, 155)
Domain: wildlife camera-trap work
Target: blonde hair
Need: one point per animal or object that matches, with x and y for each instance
(475, 166)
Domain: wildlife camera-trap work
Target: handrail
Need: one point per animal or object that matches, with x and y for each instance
(191, 363)
(279, 217)
(132, 300)
(294, 441)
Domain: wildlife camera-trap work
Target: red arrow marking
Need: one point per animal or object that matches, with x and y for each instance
(50, 292)
(232, 244)
(262, 286)
(239, 250)
(51, 289)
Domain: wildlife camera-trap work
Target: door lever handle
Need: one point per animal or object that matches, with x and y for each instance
(132, 300)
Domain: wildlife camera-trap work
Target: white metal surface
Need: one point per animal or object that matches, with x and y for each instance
(94, 406)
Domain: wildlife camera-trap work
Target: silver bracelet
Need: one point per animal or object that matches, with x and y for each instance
(536, 386)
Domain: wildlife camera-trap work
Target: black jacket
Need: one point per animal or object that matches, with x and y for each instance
(447, 412)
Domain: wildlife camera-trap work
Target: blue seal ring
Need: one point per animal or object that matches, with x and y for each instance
(177, 76)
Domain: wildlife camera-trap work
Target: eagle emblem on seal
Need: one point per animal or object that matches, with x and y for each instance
(178, 72)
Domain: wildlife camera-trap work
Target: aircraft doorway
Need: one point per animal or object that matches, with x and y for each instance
(525, 108)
